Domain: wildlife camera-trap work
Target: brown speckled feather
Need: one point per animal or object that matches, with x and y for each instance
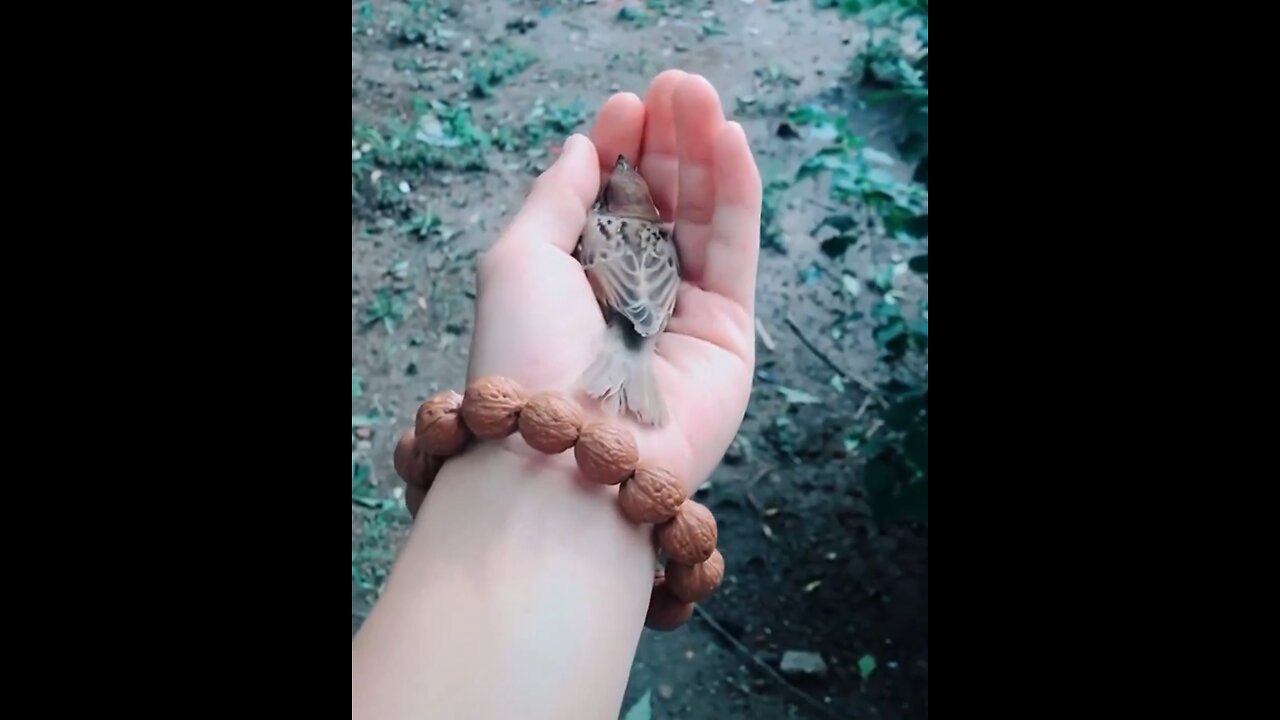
(631, 261)
(634, 269)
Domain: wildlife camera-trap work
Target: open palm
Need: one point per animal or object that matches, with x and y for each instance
(537, 320)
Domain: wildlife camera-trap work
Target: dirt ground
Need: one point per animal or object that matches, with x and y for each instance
(808, 568)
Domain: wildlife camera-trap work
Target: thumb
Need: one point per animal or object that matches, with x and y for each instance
(556, 208)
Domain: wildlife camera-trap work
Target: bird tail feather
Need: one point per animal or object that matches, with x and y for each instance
(622, 377)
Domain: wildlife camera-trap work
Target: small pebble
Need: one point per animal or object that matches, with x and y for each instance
(803, 664)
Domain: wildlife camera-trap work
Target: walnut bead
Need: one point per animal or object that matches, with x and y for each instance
(652, 496)
(408, 461)
(439, 427)
(666, 611)
(492, 407)
(689, 538)
(550, 423)
(416, 469)
(696, 583)
(606, 454)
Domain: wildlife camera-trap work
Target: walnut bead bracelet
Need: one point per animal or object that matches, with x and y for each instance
(494, 408)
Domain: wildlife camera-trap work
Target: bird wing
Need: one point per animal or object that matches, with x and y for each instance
(634, 268)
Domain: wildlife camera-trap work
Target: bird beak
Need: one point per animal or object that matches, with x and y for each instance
(622, 164)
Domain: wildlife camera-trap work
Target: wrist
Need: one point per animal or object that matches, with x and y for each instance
(529, 436)
(502, 503)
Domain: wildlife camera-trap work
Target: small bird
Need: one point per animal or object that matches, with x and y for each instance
(631, 260)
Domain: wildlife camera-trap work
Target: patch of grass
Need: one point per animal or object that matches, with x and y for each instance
(391, 302)
(771, 235)
(421, 24)
(441, 136)
(373, 555)
(633, 16)
(364, 18)
(387, 309)
(546, 124)
(429, 227)
(497, 65)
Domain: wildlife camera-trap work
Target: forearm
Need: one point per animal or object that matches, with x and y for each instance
(521, 592)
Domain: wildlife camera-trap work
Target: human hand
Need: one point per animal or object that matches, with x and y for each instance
(537, 320)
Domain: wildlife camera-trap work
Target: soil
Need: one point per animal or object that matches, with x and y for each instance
(808, 568)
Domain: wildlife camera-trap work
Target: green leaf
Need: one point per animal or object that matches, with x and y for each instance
(643, 709)
(840, 223)
(852, 285)
(917, 227)
(836, 247)
(867, 666)
(356, 389)
(886, 335)
(916, 447)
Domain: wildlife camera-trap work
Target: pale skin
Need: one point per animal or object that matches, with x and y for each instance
(522, 591)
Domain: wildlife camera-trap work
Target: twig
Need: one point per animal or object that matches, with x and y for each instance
(765, 336)
(764, 473)
(824, 206)
(764, 667)
(864, 383)
(866, 405)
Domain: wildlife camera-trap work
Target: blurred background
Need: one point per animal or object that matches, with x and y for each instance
(823, 498)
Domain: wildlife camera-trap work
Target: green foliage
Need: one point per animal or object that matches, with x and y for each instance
(372, 556)
(867, 667)
(386, 309)
(429, 226)
(885, 208)
(643, 709)
(441, 136)
(498, 64)
(421, 25)
(629, 14)
(862, 175)
(771, 235)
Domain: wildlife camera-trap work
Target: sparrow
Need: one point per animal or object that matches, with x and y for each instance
(630, 258)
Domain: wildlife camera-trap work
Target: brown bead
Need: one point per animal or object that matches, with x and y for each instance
(407, 459)
(492, 407)
(689, 538)
(653, 495)
(550, 423)
(413, 497)
(696, 583)
(439, 427)
(607, 454)
(666, 611)
(412, 466)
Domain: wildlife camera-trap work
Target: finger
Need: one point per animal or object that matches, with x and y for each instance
(733, 251)
(557, 206)
(699, 119)
(659, 163)
(618, 131)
